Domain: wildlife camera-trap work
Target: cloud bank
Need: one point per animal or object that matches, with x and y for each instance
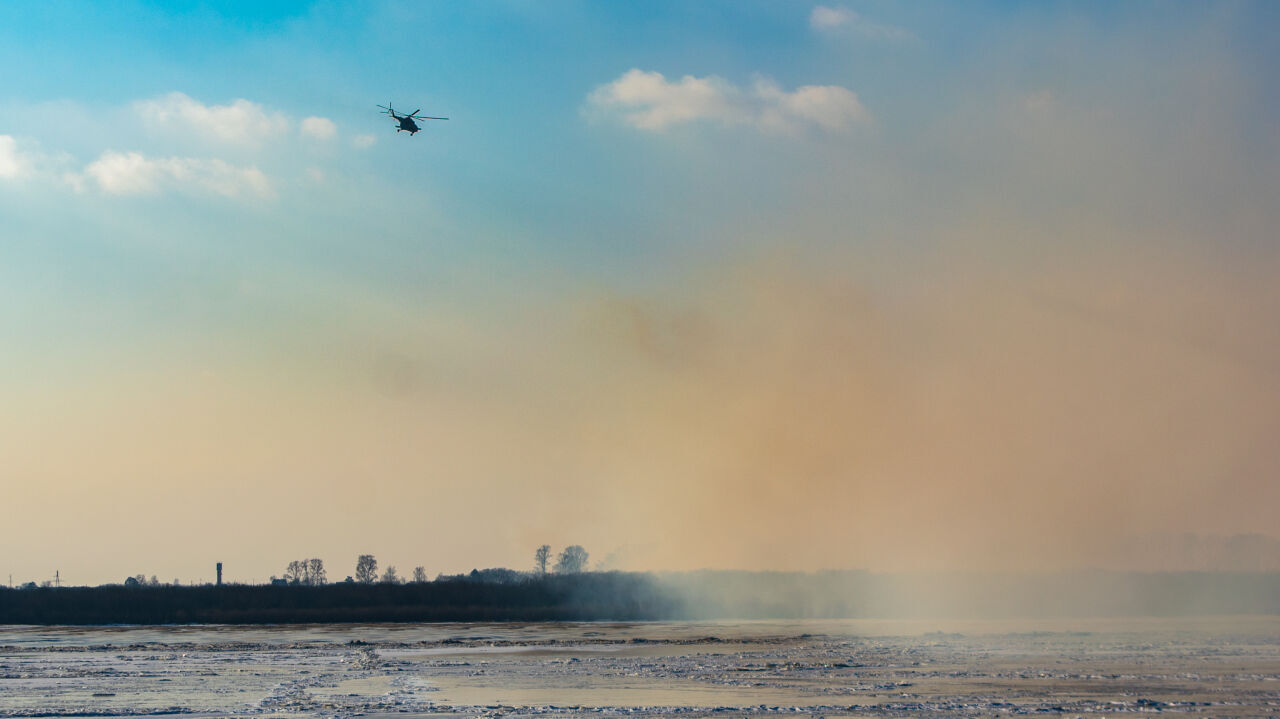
(240, 122)
(239, 130)
(648, 101)
(132, 173)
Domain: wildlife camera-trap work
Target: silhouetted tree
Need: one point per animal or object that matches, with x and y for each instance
(389, 576)
(366, 569)
(541, 557)
(315, 572)
(572, 560)
(309, 572)
(419, 575)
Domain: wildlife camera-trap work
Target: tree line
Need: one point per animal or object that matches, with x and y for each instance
(481, 595)
(311, 572)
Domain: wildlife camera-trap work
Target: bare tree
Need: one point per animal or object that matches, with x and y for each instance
(366, 569)
(540, 558)
(419, 575)
(572, 560)
(309, 572)
(315, 572)
(389, 576)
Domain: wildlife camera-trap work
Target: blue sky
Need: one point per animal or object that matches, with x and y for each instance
(671, 272)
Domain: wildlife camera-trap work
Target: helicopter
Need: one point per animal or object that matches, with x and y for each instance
(407, 121)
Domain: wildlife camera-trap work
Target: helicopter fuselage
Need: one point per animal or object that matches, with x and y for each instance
(407, 124)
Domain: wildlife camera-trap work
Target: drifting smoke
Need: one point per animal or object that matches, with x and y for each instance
(806, 416)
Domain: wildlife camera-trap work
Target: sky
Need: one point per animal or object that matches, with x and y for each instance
(758, 285)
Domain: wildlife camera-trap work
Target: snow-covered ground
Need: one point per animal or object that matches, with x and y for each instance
(1206, 667)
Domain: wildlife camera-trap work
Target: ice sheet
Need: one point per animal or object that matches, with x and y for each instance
(1207, 667)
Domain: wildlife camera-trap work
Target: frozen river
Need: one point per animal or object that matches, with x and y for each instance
(1205, 667)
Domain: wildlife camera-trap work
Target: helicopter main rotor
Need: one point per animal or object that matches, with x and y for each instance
(386, 110)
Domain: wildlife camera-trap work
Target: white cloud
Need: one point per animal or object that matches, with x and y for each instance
(26, 160)
(655, 103)
(648, 101)
(132, 173)
(838, 19)
(11, 163)
(828, 106)
(828, 18)
(320, 128)
(363, 141)
(240, 122)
